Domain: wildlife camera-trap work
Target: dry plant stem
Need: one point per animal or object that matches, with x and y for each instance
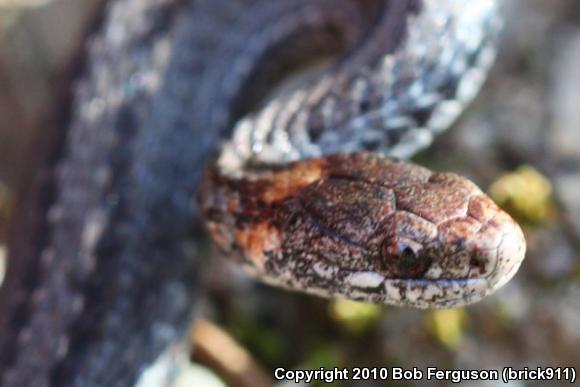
(217, 350)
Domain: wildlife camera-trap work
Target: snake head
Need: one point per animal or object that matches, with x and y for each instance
(367, 228)
(447, 244)
(399, 234)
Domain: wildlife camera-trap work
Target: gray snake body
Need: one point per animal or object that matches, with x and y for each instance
(101, 272)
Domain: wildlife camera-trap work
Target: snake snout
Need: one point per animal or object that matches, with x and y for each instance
(508, 255)
(492, 255)
(476, 250)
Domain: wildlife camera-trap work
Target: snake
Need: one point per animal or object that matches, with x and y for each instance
(308, 196)
(316, 105)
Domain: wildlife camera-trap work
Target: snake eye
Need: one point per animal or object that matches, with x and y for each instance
(403, 258)
(408, 257)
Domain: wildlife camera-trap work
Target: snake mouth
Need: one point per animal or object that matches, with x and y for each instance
(440, 292)
(417, 293)
(423, 294)
(444, 293)
(414, 293)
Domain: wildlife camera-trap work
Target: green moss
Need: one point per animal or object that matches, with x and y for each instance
(266, 344)
(447, 326)
(526, 194)
(355, 317)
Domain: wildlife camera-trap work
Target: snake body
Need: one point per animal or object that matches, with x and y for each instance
(355, 224)
(101, 275)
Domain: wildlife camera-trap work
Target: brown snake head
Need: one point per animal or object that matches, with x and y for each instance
(366, 228)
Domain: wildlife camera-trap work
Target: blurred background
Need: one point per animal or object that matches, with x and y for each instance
(520, 141)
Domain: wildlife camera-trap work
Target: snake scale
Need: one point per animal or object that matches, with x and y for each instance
(102, 269)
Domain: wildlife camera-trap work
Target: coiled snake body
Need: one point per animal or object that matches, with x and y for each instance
(100, 273)
(356, 224)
